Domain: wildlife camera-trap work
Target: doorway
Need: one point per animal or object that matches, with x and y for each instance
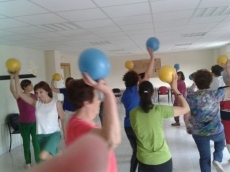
(65, 67)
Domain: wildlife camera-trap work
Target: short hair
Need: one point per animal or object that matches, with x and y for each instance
(78, 92)
(216, 70)
(130, 78)
(203, 79)
(67, 81)
(182, 75)
(146, 91)
(24, 83)
(43, 85)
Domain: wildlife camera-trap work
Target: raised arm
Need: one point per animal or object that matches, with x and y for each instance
(23, 96)
(62, 117)
(110, 130)
(184, 107)
(12, 87)
(53, 88)
(149, 70)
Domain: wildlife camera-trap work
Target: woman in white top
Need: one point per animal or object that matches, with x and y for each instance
(217, 80)
(48, 110)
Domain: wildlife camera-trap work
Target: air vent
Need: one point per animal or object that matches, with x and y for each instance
(100, 43)
(208, 12)
(193, 34)
(59, 26)
(180, 45)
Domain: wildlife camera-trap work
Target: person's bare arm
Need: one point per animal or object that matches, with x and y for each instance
(23, 96)
(62, 117)
(110, 130)
(149, 70)
(53, 88)
(12, 87)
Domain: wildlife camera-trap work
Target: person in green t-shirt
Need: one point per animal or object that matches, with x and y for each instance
(153, 153)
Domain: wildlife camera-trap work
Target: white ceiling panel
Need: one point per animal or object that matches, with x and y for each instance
(1, 17)
(168, 29)
(20, 8)
(105, 30)
(5, 33)
(173, 5)
(41, 19)
(201, 20)
(17, 37)
(137, 26)
(180, 22)
(96, 23)
(74, 32)
(173, 15)
(45, 35)
(105, 3)
(65, 5)
(127, 10)
(61, 38)
(113, 35)
(82, 15)
(214, 3)
(27, 30)
(141, 32)
(133, 19)
(11, 23)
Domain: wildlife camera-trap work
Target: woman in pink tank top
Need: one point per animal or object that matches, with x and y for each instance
(27, 120)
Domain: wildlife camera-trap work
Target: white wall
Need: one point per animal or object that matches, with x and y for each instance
(72, 59)
(7, 102)
(189, 61)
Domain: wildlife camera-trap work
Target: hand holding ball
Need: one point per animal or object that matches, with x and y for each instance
(95, 63)
(56, 77)
(13, 65)
(166, 73)
(153, 43)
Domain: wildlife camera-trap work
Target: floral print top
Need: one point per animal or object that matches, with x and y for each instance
(205, 113)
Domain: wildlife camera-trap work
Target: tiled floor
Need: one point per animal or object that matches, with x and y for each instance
(183, 149)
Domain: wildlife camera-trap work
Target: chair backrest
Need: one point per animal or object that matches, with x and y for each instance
(116, 90)
(13, 121)
(163, 90)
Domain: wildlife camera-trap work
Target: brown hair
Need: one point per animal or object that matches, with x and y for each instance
(202, 79)
(67, 81)
(24, 83)
(130, 78)
(43, 85)
(182, 75)
(78, 92)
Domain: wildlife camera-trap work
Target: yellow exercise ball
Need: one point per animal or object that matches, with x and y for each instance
(222, 60)
(13, 65)
(166, 73)
(129, 64)
(56, 77)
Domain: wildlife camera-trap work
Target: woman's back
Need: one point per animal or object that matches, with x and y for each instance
(152, 148)
(205, 114)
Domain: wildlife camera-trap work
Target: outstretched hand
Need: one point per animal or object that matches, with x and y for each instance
(150, 51)
(100, 85)
(227, 65)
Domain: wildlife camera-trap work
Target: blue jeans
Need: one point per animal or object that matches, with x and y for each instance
(203, 145)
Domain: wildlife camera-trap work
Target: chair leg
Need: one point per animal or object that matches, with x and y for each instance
(158, 98)
(10, 138)
(168, 98)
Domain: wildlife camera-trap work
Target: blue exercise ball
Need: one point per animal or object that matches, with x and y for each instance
(190, 77)
(177, 66)
(95, 63)
(153, 43)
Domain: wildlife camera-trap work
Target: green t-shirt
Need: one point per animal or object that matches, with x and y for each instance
(152, 148)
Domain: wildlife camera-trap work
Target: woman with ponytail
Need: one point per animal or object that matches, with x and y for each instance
(152, 150)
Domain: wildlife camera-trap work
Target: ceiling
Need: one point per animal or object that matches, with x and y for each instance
(117, 27)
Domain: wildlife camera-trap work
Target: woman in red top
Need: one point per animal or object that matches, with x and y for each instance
(84, 98)
(182, 89)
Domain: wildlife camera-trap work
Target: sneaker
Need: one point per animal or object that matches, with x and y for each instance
(27, 166)
(218, 166)
(176, 124)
